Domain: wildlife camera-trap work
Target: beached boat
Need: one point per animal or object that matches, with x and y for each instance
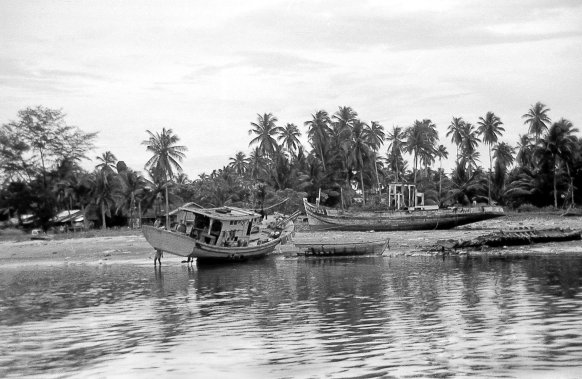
(340, 248)
(406, 212)
(226, 233)
(514, 237)
(39, 235)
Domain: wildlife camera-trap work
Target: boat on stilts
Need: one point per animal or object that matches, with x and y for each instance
(220, 234)
(406, 211)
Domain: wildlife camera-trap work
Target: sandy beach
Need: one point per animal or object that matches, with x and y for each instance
(134, 247)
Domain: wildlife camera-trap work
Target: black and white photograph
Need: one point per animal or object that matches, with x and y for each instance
(290, 189)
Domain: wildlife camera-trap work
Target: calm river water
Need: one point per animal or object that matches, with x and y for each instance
(294, 318)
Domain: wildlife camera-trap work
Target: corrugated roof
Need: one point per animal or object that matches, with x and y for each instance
(223, 213)
(67, 216)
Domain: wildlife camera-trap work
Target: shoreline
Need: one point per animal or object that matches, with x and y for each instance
(131, 245)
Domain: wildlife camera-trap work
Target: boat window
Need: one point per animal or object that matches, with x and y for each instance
(201, 222)
(250, 228)
(216, 227)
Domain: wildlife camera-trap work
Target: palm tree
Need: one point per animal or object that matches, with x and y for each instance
(421, 139)
(265, 129)
(428, 153)
(537, 119)
(107, 161)
(257, 164)
(560, 144)
(239, 163)
(359, 152)
(133, 189)
(504, 154)
(318, 132)
(469, 160)
(345, 117)
(289, 137)
(524, 151)
(455, 131)
(374, 135)
(490, 128)
(470, 141)
(396, 140)
(166, 157)
(182, 179)
(104, 193)
(504, 157)
(441, 153)
(82, 186)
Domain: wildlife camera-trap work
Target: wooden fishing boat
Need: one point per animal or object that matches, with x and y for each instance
(407, 212)
(346, 247)
(220, 234)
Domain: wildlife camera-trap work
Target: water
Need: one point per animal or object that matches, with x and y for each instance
(294, 318)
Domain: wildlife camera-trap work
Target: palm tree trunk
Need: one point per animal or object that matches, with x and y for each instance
(440, 180)
(139, 211)
(489, 178)
(571, 184)
(377, 177)
(167, 208)
(103, 223)
(415, 163)
(555, 185)
(84, 212)
(397, 172)
(131, 205)
(43, 169)
(362, 181)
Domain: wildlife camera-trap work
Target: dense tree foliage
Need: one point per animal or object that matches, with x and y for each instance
(346, 159)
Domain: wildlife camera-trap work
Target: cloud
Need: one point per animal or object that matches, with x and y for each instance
(207, 68)
(329, 25)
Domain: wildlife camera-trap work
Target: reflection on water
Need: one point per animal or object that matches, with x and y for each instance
(364, 317)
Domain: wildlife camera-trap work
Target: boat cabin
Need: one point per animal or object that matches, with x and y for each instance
(226, 226)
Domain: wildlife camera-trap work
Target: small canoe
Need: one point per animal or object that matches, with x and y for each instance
(337, 248)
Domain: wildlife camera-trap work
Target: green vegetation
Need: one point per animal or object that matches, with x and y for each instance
(346, 158)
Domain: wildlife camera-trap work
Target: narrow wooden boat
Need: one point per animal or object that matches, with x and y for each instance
(330, 248)
(513, 237)
(220, 234)
(572, 212)
(407, 212)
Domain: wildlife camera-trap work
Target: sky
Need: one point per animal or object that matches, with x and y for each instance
(206, 69)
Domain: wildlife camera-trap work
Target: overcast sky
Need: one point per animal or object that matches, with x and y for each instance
(206, 68)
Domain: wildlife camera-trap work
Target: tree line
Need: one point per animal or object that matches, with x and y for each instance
(346, 158)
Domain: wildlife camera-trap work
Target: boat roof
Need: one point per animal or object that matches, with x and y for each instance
(222, 213)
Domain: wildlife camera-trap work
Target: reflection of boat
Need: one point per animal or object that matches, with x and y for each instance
(323, 247)
(225, 233)
(406, 212)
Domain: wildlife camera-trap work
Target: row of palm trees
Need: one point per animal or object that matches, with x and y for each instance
(345, 149)
(345, 158)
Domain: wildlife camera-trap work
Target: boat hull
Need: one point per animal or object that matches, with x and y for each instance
(324, 219)
(184, 246)
(343, 248)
